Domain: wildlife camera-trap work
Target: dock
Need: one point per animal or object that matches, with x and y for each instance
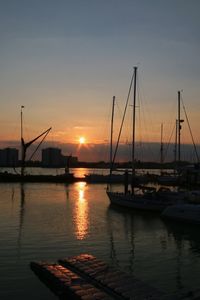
(84, 277)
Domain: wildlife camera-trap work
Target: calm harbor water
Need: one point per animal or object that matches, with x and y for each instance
(51, 221)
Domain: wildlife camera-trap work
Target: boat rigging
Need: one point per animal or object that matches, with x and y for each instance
(144, 198)
(25, 146)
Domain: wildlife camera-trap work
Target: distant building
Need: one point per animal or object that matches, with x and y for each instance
(9, 157)
(69, 160)
(53, 158)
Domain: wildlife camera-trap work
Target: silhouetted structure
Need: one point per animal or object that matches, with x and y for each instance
(53, 158)
(9, 157)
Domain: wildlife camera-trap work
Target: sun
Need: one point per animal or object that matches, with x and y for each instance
(81, 140)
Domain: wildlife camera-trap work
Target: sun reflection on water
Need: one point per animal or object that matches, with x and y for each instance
(81, 216)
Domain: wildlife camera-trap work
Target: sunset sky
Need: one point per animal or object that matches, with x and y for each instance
(64, 61)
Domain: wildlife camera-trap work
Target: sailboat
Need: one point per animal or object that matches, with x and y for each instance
(110, 177)
(174, 179)
(144, 199)
(22, 177)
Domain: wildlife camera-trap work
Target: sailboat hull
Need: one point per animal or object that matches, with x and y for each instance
(139, 202)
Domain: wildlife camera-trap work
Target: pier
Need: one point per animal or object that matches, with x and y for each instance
(85, 277)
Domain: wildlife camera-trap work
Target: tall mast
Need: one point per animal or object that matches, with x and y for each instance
(179, 129)
(22, 142)
(161, 150)
(133, 136)
(179, 121)
(111, 135)
(121, 126)
(175, 146)
(22, 122)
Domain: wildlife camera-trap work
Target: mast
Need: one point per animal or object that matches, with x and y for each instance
(24, 146)
(22, 143)
(111, 135)
(175, 146)
(121, 126)
(179, 130)
(179, 121)
(133, 136)
(21, 114)
(161, 150)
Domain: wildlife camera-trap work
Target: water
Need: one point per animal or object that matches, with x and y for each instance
(78, 172)
(52, 221)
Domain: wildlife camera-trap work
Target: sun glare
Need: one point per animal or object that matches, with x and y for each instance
(82, 140)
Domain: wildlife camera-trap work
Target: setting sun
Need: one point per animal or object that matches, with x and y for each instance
(82, 140)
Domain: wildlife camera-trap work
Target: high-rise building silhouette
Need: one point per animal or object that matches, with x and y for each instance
(9, 157)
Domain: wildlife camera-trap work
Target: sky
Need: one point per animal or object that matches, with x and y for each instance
(64, 60)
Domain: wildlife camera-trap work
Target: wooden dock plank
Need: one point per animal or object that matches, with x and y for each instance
(84, 277)
(114, 282)
(67, 284)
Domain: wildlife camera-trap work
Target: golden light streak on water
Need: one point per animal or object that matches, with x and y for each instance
(81, 216)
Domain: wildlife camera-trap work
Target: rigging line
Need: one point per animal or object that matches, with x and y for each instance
(195, 149)
(144, 127)
(139, 110)
(119, 109)
(39, 145)
(142, 104)
(140, 142)
(165, 152)
(120, 131)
